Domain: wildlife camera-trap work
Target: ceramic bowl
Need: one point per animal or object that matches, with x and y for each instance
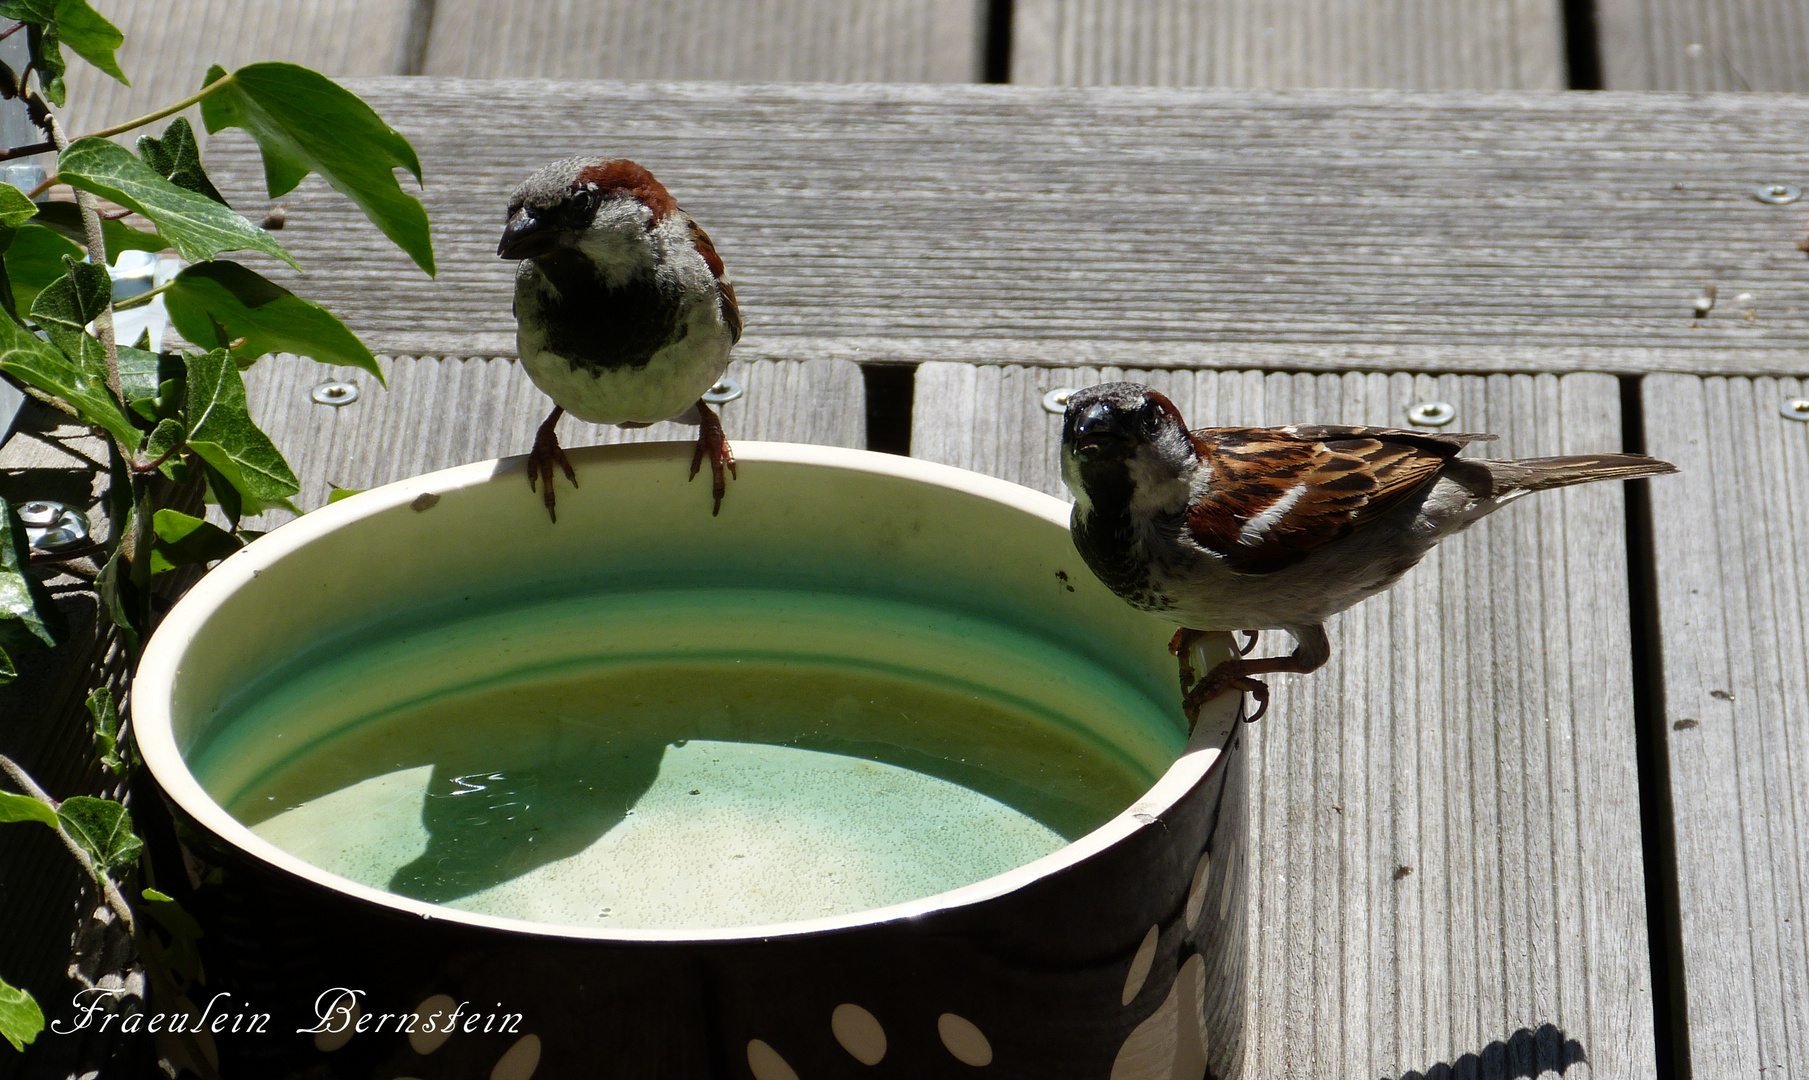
(1114, 950)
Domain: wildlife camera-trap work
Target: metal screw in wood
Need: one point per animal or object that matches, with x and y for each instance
(1795, 408)
(725, 391)
(1777, 194)
(1056, 400)
(1431, 413)
(51, 526)
(334, 393)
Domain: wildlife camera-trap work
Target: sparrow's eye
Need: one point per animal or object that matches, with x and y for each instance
(584, 200)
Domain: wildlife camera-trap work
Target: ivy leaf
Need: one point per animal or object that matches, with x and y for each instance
(119, 597)
(67, 305)
(29, 618)
(221, 432)
(177, 158)
(182, 957)
(305, 122)
(15, 208)
(103, 828)
(34, 259)
(143, 373)
(221, 493)
(183, 540)
(269, 317)
(198, 226)
(20, 1017)
(106, 730)
(25, 808)
(339, 493)
(66, 219)
(46, 51)
(75, 24)
(36, 362)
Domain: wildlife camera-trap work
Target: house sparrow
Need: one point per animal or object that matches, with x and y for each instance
(1274, 528)
(623, 312)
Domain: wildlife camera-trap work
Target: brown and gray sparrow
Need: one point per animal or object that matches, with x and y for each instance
(1274, 528)
(623, 312)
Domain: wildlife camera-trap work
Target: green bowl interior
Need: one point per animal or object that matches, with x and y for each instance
(867, 681)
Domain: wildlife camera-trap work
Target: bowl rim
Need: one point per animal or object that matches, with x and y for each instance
(154, 682)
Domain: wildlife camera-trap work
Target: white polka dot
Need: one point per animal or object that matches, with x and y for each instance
(859, 1033)
(340, 1023)
(1196, 892)
(766, 1062)
(1190, 1053)
(1149, 1052)
(436, 1012)
(1140, 964)
(964, 1040)
(519, 1061)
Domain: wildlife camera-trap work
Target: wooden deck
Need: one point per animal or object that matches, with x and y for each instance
(1547, 810)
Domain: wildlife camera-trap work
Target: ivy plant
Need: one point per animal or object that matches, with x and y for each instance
(176, 423)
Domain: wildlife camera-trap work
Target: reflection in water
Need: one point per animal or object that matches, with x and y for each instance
(690, 794)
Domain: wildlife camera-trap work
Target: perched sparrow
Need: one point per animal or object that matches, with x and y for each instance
(1274, 528)
(623, 313)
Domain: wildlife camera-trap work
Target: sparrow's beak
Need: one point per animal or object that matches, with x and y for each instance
(527, 236)
(1098, 433)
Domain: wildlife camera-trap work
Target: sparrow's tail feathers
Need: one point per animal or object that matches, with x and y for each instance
(1537, 474)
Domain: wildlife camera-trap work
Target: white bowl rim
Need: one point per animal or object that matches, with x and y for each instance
(154, 682)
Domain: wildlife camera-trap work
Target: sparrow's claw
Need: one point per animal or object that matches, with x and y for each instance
(546, 453)
(1227, 677)
(712, 440)
(1249, 641)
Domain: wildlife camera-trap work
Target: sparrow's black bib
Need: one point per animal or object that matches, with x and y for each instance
(1107, 540)
(595, 326)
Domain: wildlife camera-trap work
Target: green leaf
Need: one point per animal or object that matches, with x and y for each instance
(47, 59)
(34, 259)
(199, 227)
(177, 158)
(36, 362)
(25, 808)
(182, 957)
(269, 317)
(183, 540)
(90, 36)
(20, 1017)
(221, 432)
(304, 122)
(143, 373)
(120, 597)
(103, 828)
(68, 304)
(15, 208)
(106, 730)
(339, 493)
(29, 618)
(66, 219)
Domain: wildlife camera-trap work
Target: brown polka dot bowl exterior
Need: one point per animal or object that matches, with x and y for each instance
(1116, 957)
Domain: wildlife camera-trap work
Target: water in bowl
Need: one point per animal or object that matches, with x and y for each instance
(682, 759)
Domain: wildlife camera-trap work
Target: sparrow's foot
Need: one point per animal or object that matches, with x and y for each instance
(1250, 637)
(1309, 654)
(546, 453)
(712, 441)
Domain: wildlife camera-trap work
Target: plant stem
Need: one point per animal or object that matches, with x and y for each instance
(143, 297)
(49, 182)
(206, 92)
(97, 254)
(27, 150)
(11, 30)
(108, 889)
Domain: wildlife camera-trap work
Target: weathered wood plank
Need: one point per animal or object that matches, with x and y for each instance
(789, 41)
(1445, 820)
(1161, 228)
(1281, 44)
(1732, 559)
(440, 413)
(1703, 44)
(170, 45)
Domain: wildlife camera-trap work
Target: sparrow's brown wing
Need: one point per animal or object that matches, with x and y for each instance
(731, 311)
(1279, 493)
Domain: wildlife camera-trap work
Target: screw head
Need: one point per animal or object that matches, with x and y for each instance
(334, 393)
(51, 526)
(1056, 400)
(725, 391)
(1777, 194)
(1795, 408)
(1431, 413)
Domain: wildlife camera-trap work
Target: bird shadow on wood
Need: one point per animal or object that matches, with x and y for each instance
(1525, 1055)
